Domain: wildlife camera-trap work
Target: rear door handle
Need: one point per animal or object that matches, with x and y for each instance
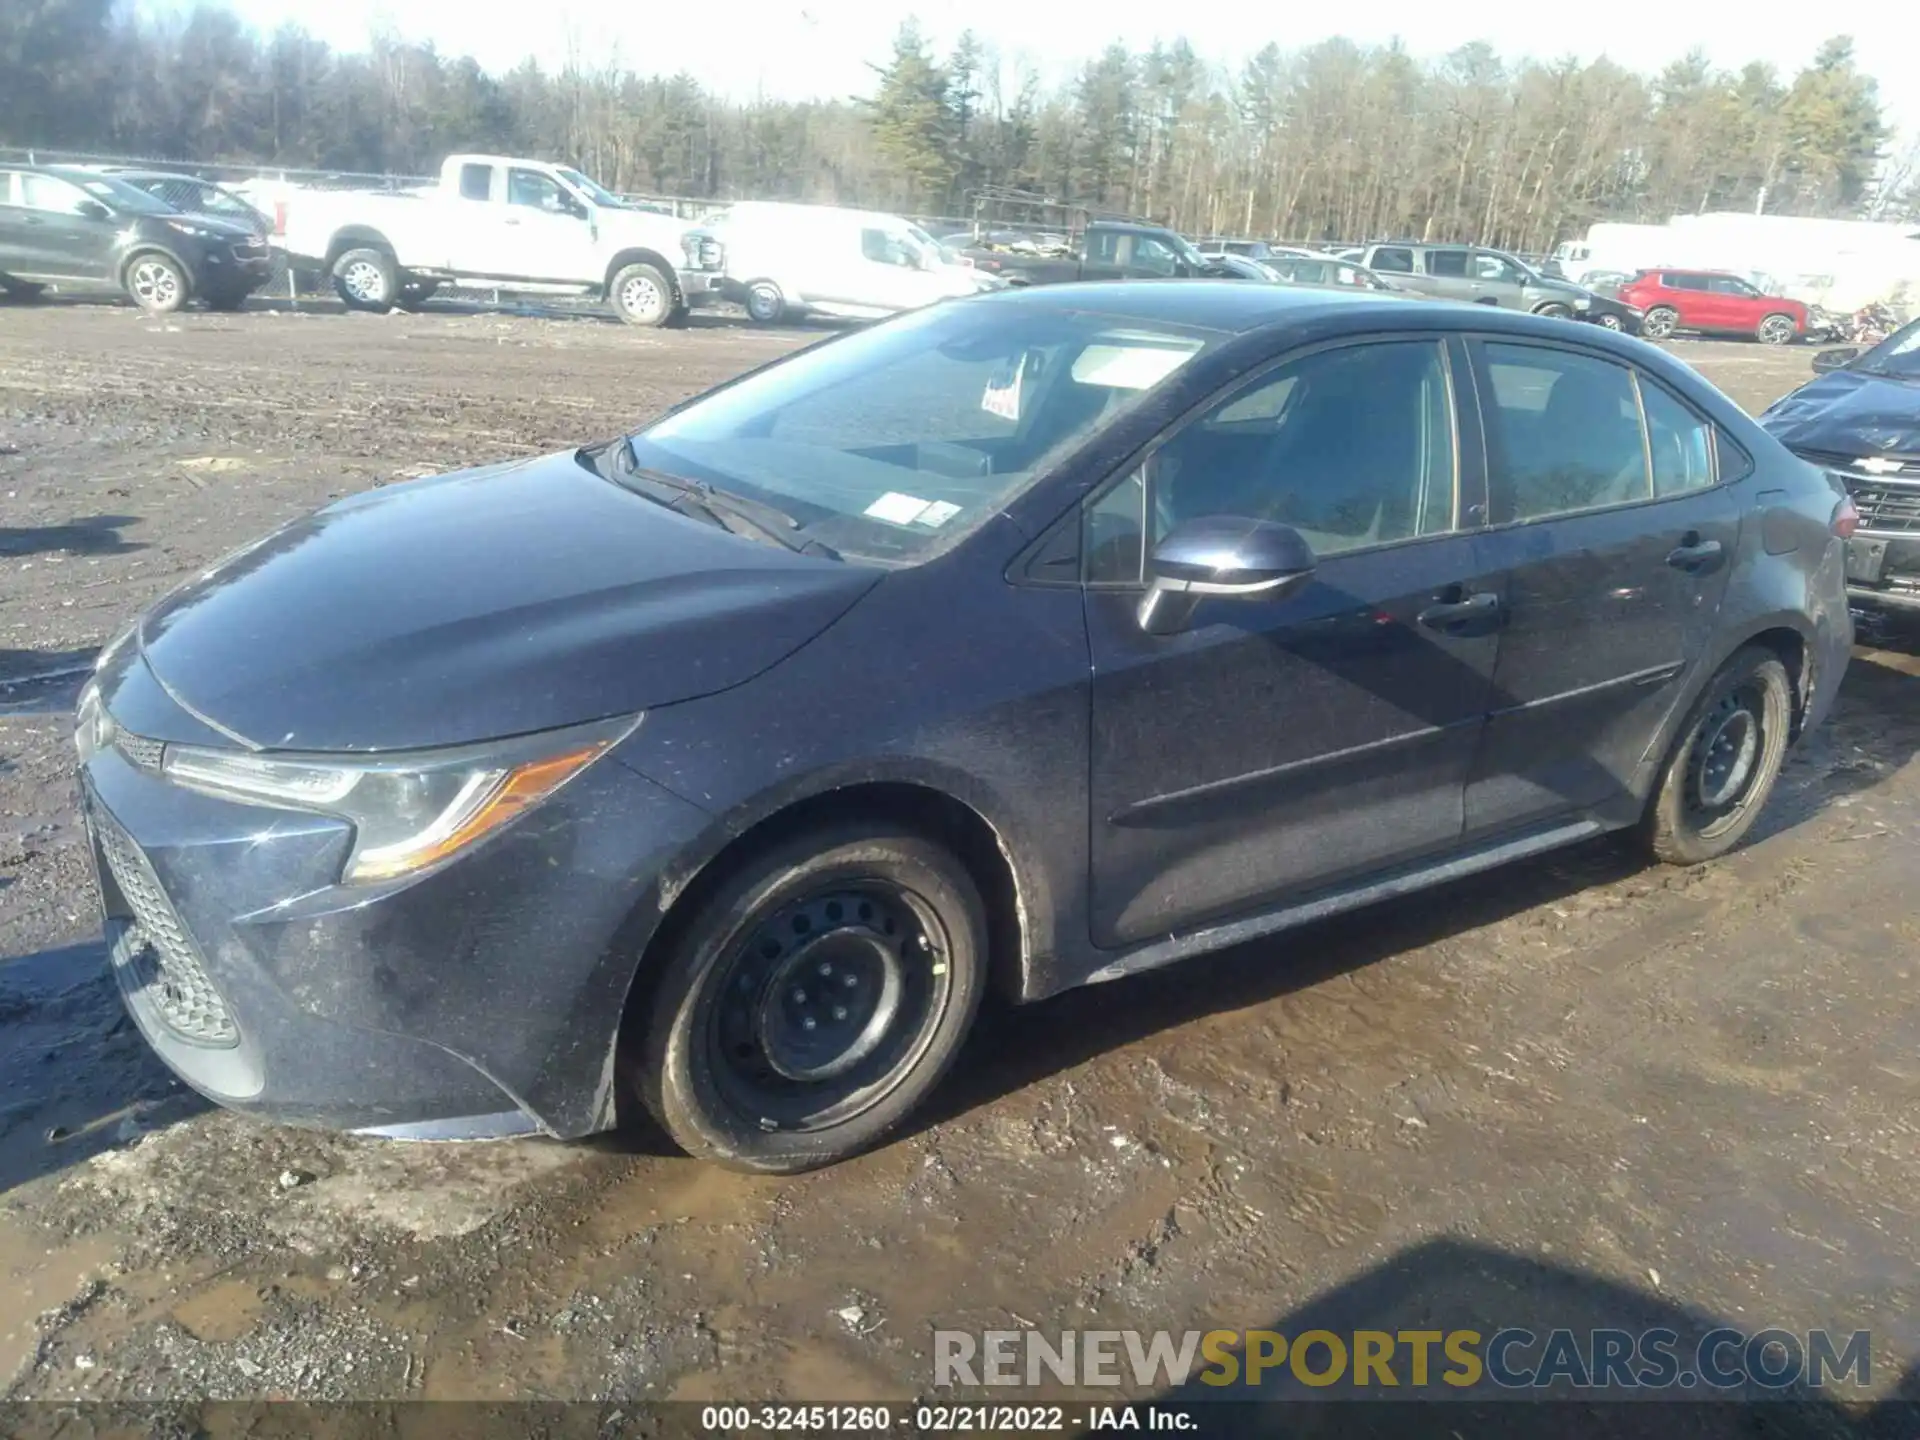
(1696, 556)
(1470, 615)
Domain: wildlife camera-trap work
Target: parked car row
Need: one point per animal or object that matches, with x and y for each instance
(82, 229)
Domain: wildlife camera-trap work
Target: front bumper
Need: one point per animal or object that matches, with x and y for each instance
(482, 999)
(702, 287)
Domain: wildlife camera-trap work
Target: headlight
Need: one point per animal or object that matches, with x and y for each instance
(1585, 302)
(412, 811)
(187, 227)
(92, 726)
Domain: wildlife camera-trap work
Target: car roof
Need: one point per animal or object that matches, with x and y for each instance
(1232, 309)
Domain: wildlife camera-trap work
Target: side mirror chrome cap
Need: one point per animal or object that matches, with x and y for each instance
(1224, 555)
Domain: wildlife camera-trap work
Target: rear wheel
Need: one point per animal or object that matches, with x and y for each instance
(1553, 309)
(20, 291)
(1724, 763)
(814, 999)
(766, 303)
(1660, 322)
(1778, 330)
(642, 295)
(366, 280)
(156, 283)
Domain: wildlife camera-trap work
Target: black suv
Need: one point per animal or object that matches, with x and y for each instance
(79, 229)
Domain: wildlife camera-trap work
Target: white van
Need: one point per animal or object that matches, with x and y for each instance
(784, 260)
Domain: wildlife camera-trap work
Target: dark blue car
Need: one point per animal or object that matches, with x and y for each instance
(1020, 642)
(1860, 419)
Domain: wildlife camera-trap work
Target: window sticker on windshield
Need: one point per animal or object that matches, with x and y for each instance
(1002, 396)
(898, 509)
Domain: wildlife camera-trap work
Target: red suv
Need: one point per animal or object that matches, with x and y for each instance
(1714, 302)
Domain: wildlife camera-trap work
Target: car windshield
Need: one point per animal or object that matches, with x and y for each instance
(887, 442)
(1897, 356)
(122, 196)
(599, 194)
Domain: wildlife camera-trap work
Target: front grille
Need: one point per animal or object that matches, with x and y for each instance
(162, 955)
(141, 751)
(1885, 505)
(250, 250)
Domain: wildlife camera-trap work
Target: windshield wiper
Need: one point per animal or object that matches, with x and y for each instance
(737, 514)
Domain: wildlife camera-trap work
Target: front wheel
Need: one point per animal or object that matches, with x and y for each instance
(642, 295)
(1723, 765)
(415, 293)
(156, 284)
(1554, 310)
(366, 280)
(20, 291)
(1607, 322)
(1660, 322)
(1778, 330)
(814, 999)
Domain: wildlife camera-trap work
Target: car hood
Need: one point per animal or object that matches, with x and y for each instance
(482, 604)
(1849, 412)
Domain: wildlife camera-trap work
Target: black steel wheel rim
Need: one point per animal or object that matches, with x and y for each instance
(1724, 761)
(823, 1004)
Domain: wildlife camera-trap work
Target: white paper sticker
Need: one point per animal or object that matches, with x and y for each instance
(1002, 395)
(896, 508)
(937, 514)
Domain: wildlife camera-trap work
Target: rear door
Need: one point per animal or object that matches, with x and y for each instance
(60, 238)
(1613, 531)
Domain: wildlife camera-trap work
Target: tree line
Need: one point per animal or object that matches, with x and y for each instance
(1334, 140)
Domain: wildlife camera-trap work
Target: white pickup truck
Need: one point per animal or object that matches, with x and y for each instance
(498, 223)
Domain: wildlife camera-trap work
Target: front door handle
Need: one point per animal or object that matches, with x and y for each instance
(1696, 556)
(1469, 615)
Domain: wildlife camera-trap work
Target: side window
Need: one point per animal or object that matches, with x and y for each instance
(1352, 447)
(1495, 267)
(1685, 282)
(476, 181)
(1154, 256)
(538, 191)
(1564, 431)
(1449, 264)
(1103, 247)
(1110, 543)
(1680, 442)
(1400, 262)
(884, 249)
(51, 194)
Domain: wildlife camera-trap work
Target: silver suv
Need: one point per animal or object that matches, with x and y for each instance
(1491, 277)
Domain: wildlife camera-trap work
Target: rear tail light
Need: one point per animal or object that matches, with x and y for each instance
(1846, 519)
(280, 217)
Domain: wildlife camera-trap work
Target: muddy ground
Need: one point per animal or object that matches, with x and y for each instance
(1574, 1091)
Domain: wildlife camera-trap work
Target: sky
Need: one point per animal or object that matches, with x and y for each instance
(801, 49)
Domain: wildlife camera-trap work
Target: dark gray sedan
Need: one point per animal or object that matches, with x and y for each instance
(1018, 643)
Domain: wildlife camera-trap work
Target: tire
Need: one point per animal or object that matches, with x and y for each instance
(1554, 310)
(1724, 761)
(367, 279)
(888, 914)
(1778, 330)
(1608, 322)
(641, 295)
(766, 303)
(156, 283)
(1660, 322)
(415, 293)
(20, 292)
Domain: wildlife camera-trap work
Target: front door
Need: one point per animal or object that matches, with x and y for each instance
(1449, 275)
(1498, 280)
(1277, 746)
(1615, 536)
(546, 232)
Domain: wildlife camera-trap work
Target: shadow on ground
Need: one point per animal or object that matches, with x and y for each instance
(76, 1078)
(1452, 1285)
(95, 535)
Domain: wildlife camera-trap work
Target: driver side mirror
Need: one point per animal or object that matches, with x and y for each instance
(1835, 359)
(1224, 555)
(93, 210)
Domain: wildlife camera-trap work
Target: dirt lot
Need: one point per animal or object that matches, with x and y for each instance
(1578, 1091)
